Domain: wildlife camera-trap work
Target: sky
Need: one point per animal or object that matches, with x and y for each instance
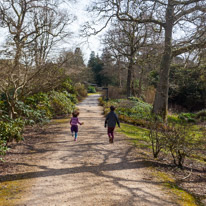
(86, 45)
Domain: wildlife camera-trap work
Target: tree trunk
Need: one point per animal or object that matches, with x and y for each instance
(160, 106)
(11, 106)
(120, 74)
(133, 84)
(129, 78)
(140, 82)
(120, 79)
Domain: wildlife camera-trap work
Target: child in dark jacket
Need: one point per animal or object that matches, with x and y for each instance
(111, 121)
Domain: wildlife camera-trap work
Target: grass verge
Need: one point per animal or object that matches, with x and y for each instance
(139, 136)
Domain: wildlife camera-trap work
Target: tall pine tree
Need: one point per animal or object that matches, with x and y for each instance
(96, 65)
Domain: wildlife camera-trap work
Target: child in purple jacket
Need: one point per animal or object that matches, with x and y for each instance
(74, 124)
(111, 121)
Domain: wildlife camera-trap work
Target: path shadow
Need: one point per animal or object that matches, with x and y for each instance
(97, 146)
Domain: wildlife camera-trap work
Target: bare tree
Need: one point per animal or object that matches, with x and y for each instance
(181, 21)
(33, 29)
(126, 39)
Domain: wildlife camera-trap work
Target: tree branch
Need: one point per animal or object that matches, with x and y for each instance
(188, 48)
(140, 21)
(189, 11)
(186, 2)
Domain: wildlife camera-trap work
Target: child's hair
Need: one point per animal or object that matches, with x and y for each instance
(112, 108)
(75, 113)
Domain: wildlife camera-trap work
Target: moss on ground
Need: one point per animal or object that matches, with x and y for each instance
(12, 192)
(183, 197)
(139, 136)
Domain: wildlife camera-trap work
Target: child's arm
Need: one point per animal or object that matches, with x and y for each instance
(81, 123)
(105, 123)
(117, 119)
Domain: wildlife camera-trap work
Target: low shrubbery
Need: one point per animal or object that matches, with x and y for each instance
(31, 115)
(138, 112)
(187, 117)
(180, 140)
(91, 89)
(37, 109)
(40, 102)
(60, 103)
(201, 115)
(156, 137)
(10, 130)
(179, 136)
(132, 110)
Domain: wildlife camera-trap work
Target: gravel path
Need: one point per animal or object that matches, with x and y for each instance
(91, 172)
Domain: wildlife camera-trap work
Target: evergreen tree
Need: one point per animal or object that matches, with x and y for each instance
(96, 65)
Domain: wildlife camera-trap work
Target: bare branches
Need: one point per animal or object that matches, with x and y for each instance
(89, 30)
(188, 48)
(34, 28)
(189, 11)
(128, 14)
(140, 21)
(186, 2)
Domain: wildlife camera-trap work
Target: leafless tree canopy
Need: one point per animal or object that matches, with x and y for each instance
(181, 22)
(34, 27)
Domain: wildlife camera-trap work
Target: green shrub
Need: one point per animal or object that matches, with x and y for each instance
(187, 117)
(3, 148)
(201, 115)
(135, 99)
(173, 119)
(133, 111)
(67, 86)
(91, 89)
(60, 104)
(11, 130)
(31, 116)
(2, 107)
(72, 97)
(40, 102)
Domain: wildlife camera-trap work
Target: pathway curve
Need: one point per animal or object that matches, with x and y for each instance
(91, 172)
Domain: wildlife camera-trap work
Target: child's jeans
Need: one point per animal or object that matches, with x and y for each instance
(74, 128)
(110, 132)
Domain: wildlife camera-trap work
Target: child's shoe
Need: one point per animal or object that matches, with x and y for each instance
(75, 139)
